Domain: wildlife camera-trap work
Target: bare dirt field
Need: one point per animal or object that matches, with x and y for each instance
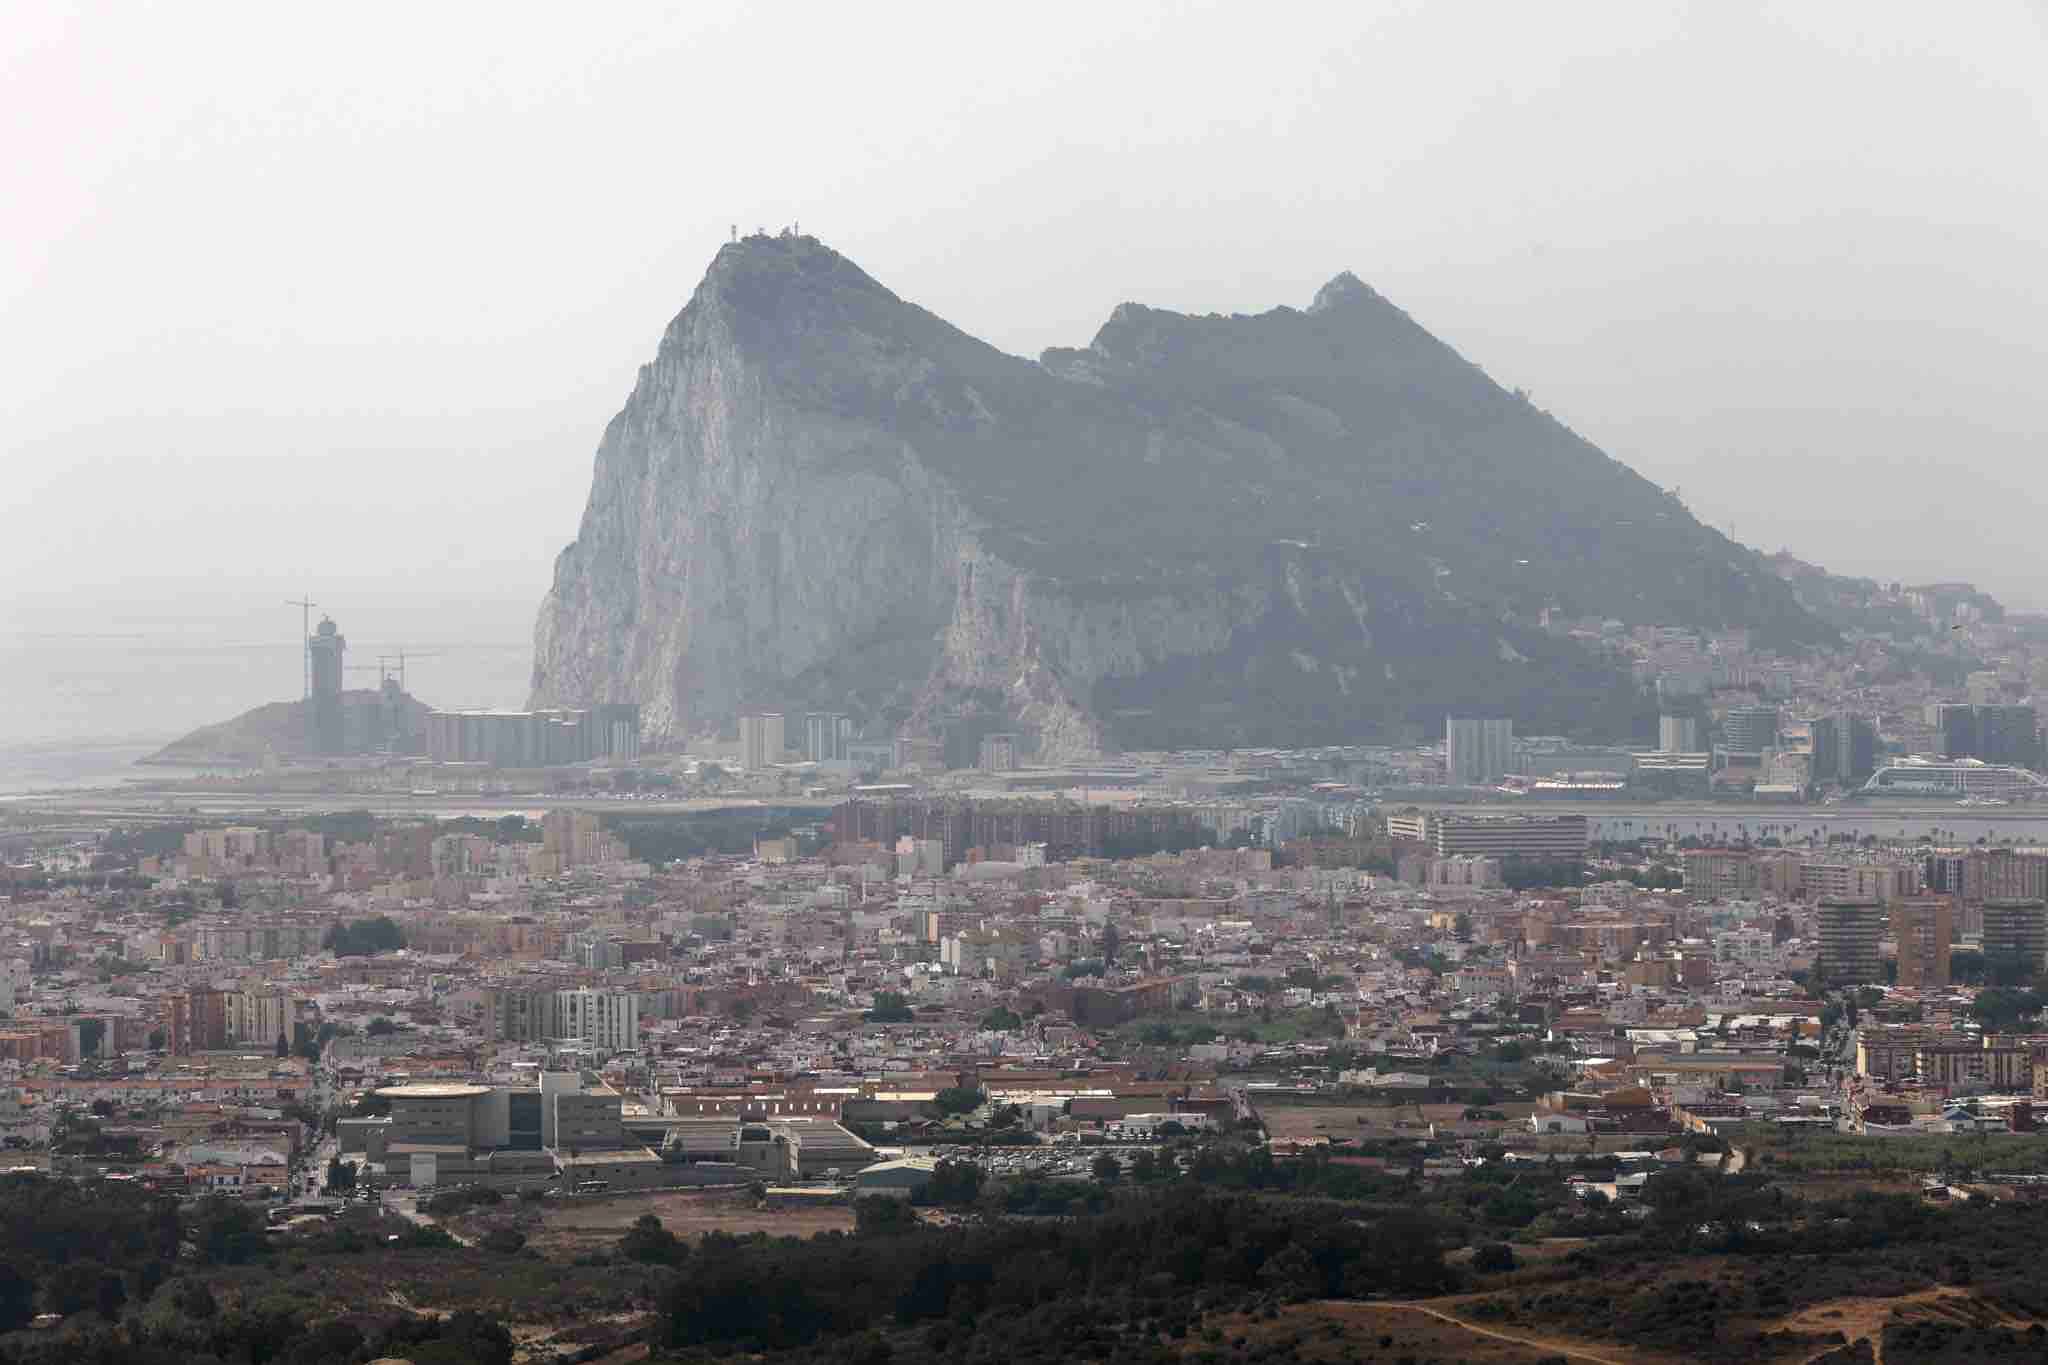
(569, 1227)
(1333, 1331)
(1861, 1319)
(1310, 1122)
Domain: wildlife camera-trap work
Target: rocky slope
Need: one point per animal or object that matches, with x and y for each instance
(281, 729)
(1295, 527)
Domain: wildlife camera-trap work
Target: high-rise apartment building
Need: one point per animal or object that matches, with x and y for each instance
(197, 1022)
(535, 739)
(2015, 938)
(608, 1021)
(1678, 734)
(258, 1017)
(577, 838)
(1478, 753)
(1923, 927)
(825, 736)
(1856, 879)
(761, 740)
(998, 753)
(1849, 935)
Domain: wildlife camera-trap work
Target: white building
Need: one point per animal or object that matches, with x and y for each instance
(608, 1021)
(761, 740)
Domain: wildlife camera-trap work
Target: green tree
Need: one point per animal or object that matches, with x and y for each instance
(17, 1298)
(1493, 1257)
(364, 937)
(648, 1241)
(881, 1216)
(193, 1299)
(1107, 1169)
(954, 1183)
(957, 1099)
(503, 1241)
(890, 1008)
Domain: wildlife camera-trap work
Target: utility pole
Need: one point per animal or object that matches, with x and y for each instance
(305, 635)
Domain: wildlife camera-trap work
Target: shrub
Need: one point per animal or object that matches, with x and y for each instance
(1493, 1257)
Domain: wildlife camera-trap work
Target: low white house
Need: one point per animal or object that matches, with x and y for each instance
(1549, 1122)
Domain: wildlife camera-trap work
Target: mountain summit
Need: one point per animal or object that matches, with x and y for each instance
(1289, 528)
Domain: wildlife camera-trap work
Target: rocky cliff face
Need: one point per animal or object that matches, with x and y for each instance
(1292, 528)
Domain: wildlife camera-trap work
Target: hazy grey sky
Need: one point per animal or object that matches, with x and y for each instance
(343, 298)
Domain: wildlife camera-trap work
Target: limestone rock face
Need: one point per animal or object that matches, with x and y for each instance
(1300, 527)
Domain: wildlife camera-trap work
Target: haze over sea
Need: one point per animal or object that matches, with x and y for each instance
(82, 700)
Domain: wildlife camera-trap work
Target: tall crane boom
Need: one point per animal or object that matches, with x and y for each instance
(305, 606)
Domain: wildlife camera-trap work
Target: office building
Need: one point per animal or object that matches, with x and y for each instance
(1536, 838)
(1678, 734)
(1673, 773)
(1923, 927)
(1849, 935)
(1955, 726)
(761, 740)
(1750, 729)
(1478, 753)
(1993, 733)
(2009, 734)
(1844, 750)
(826, 735)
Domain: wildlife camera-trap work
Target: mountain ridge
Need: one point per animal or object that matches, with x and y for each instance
(1292, 525)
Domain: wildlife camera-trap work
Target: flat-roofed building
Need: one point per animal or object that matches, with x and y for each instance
(1721, 872)
(1858, 880)
(1849, 934)
(534, 739)
(2015, 937)
(1540, 838)
(1923, 927)
(1478, 752)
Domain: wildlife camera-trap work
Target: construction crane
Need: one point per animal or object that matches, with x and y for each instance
(305, 606)
(402, 655)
